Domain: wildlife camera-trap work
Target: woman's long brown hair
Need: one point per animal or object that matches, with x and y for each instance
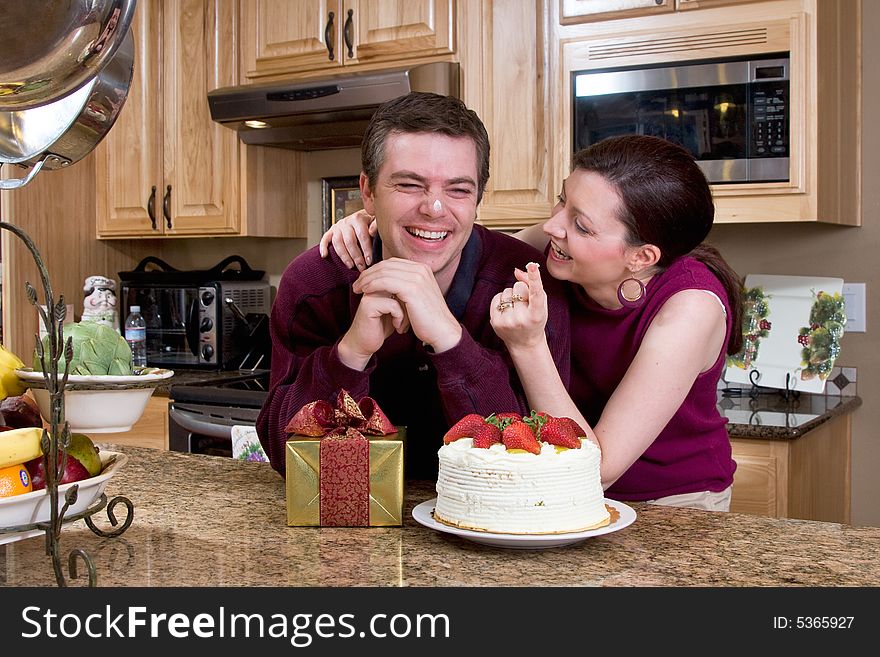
(667, 202)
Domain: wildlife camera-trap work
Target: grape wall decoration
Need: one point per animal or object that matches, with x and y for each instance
(820, 341)
(755, 326)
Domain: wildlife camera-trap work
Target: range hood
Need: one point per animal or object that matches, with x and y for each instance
(324, 113)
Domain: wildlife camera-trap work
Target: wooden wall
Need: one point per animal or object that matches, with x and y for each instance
(57, 209)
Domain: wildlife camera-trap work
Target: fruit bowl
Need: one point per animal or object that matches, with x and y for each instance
(99, 404)
(34, 507)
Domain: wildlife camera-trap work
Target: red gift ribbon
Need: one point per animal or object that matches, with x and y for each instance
(344, 480)
(344, 455)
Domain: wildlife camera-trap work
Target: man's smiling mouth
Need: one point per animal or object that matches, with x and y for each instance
(430, 235)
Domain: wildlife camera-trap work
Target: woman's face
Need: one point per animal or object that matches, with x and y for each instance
(587, 244)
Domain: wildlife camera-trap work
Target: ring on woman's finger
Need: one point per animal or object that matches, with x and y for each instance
(516, 297)
(504, 305)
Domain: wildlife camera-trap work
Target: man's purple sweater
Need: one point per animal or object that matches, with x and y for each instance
(425, 391)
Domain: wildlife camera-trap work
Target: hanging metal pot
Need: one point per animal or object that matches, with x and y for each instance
(50, 49)
(64, 131)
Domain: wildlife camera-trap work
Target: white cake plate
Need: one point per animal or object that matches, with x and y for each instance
(424, 515)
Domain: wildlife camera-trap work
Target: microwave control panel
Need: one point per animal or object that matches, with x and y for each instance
(769, 119)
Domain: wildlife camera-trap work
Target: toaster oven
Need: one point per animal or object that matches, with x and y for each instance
(214, 319)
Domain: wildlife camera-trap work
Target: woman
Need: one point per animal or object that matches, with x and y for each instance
(653, 314)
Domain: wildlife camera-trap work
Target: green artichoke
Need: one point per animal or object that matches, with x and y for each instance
(97, 350)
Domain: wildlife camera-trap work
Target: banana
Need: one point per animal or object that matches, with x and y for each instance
(10, 384)
(20, 445)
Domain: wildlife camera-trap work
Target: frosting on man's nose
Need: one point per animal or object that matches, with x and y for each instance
(437, 207)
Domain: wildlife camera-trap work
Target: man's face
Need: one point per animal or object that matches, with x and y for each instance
(425, 199)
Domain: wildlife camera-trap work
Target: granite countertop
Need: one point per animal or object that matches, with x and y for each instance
(212, 521)
(772, 417)
(769, 416)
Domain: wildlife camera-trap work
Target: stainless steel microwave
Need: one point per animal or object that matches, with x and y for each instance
(733, 114)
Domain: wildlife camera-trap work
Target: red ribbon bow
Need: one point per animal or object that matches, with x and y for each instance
(344, 454)
(320, 418)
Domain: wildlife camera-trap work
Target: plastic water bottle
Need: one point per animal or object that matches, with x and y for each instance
(136, 336)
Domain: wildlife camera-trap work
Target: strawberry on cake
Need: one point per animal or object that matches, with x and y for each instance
(519, 475)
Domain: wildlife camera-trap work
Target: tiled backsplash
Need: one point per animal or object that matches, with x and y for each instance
(842, 382)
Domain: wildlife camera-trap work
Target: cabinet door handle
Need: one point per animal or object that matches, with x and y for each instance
(166, 206)
(346, 33)
(327, 28)
(151, 208)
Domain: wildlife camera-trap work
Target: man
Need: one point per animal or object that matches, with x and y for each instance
(412, 331)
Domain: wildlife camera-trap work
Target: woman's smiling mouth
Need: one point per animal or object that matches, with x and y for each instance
(559, 253)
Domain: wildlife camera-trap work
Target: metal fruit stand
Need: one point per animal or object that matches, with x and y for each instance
(80, 66)
(56, 439)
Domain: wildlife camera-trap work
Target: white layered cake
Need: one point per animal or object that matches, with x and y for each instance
(514, 492)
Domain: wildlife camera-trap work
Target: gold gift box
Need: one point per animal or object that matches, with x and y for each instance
(386, 480)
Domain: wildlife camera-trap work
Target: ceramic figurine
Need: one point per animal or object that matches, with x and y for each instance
(99, 304)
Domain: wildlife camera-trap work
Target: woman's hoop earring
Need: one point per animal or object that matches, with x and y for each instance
(632, 301)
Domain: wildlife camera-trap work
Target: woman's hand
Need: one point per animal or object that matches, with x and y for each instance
(352, 239)
(520, 324)
(519, 313)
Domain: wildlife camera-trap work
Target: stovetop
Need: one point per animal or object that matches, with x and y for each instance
(247, 389)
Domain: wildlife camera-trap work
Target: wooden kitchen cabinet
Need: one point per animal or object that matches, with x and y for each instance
(506, 81)
(283, 37)
(580, 11)
(683, 5)
(57, 209)
(822, 39)
(166, 169)
(150, 431)
(808, 477)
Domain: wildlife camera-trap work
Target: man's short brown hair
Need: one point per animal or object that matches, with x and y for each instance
(420, 112)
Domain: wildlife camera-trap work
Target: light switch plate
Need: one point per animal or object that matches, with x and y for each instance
(854, 298)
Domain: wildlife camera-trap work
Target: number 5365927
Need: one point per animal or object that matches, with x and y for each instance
(823, 622)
